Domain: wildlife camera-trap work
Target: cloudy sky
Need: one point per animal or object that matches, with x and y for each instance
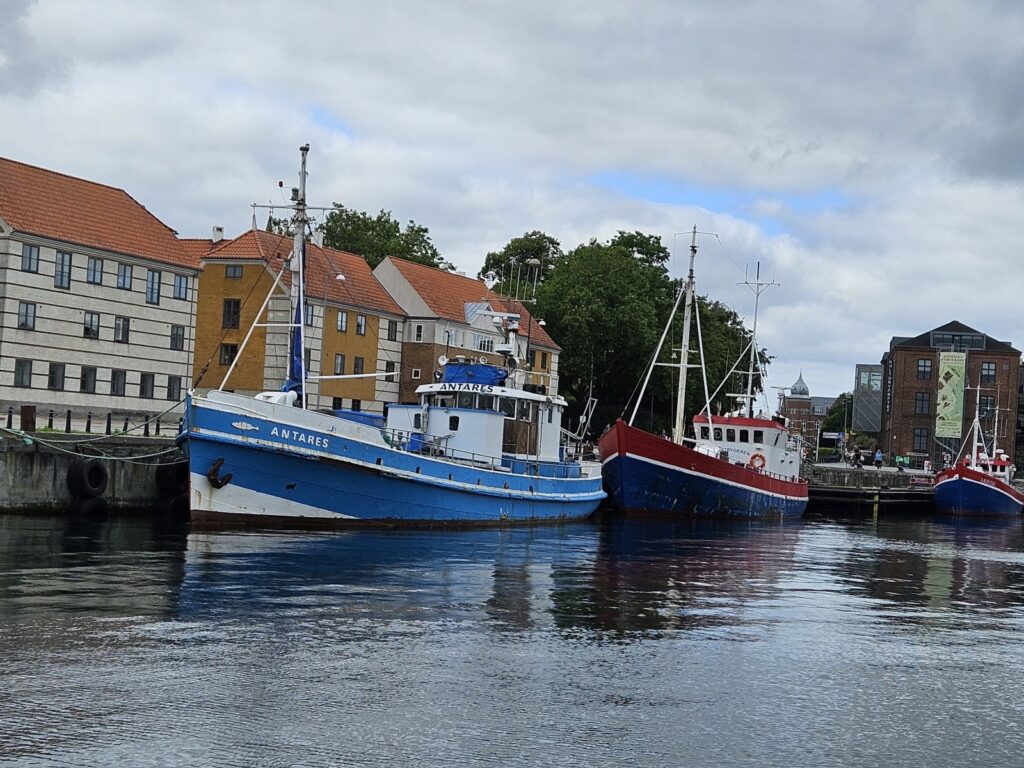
(869, 154)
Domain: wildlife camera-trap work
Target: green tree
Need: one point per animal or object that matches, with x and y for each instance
(282, 226)
(375, 237)
(606, 304)
(510, 268)
(838, 414)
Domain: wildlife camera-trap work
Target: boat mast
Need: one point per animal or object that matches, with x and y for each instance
(684, 356)
(758, 288)
(299, 221)
(976, 426)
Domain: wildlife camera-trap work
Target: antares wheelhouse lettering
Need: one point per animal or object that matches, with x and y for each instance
(300, 437)
(451, 386)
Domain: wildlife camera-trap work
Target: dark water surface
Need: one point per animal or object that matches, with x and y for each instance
(819, 643)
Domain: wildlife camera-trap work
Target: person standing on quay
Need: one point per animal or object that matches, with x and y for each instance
(878, 458)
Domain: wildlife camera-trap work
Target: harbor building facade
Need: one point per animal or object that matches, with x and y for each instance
(352, 327)
(930, 388)
(804, 412)
(867, 399)
(97, 298)
(451, 315)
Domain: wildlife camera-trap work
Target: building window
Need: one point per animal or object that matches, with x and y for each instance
(62, 270)
(181, 286)
(419, 332)
(88, 380)
(118, 381)
(146, 385)
(309, 314)
(392, 330)
(484, 343)
(342, 321)
(921, 439)
(337, 403)
(415, 374)
(228, 353)
(122, 329)
(357, 365)
(924, 369)
(988, 373)
(29, 259)
(124, 276)
(232, 313)
(308, 361)
(233, 271)
(339, 365)
(178, 337)
(23, 373)
(174, 388)
(389, 367)
(922, 403)
(26, 315)
(987, 406)
(152, 286)
(360, 325)
(94, 271)
(55, 379)
(91, 325)
(357, 405)
(544, 360)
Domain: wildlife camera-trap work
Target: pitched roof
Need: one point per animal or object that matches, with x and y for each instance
(359, 288)
(954, 326)
(447, 295)
(60, 207)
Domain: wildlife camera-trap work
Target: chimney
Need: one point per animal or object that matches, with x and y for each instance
(218, 234)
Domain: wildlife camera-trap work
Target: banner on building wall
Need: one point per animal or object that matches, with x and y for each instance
(949, 400)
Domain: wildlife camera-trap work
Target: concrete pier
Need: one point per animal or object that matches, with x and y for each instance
(34, 474)
(868, 490)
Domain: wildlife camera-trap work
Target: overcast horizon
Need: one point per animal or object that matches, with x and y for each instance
(867, 154)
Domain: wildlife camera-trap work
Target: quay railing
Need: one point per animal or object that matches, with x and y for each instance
(28, 418)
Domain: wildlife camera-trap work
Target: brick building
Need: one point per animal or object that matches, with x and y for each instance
(805, 413)
(929, 391)
(453, 315)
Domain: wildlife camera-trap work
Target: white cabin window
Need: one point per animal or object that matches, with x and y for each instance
(758, 435)
(705, 433)
(730, 435)
(485, 403)
(507, 406)
(453, 423)
(718, 433)
(465, 400)
(417, 421)
(744, 435)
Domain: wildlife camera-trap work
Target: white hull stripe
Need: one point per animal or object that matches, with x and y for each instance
(235, 499)
(702, 475)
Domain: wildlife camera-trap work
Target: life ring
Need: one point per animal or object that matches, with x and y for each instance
(757, 461)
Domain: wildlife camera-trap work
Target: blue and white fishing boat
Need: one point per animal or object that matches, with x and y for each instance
(980, 484)
(474, 449)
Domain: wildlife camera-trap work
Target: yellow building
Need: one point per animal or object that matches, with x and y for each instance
(352, 326)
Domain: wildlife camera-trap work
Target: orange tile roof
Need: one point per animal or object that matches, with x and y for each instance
(359, 288)
(447, 294)
(52, 205)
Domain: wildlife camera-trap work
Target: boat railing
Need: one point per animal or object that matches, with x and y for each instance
(436, 446)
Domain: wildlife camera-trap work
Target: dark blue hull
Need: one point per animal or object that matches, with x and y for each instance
(957, 494)
(638, 486)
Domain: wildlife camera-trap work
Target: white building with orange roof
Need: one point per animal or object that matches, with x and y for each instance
(352, 326)
(98, 303)
(452, 315)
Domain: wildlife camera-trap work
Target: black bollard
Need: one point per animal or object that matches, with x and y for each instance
(158, 425)
(88, 422)
(109, 414)
(67, 422)
(145, 428)
(10, 416)
(49, 420)
(125, 424)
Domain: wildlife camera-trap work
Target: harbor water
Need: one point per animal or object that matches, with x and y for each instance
(824, 642)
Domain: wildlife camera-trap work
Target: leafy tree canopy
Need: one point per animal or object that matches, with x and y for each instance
(838, 413)
(375, 237)
(512, 270)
